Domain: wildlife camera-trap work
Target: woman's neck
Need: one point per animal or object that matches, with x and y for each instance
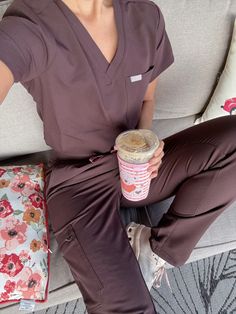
(88, 8)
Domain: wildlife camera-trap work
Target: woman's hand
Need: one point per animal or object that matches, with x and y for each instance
(156, 160)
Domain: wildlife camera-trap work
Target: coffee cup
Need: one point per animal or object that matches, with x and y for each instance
(134, 150)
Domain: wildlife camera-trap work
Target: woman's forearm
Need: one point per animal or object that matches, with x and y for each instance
(146, 117)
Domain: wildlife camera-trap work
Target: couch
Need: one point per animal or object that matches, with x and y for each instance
(200, 32)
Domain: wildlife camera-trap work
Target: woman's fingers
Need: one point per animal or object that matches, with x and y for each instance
(159, 149)
(155, 160)
(154, 174)
(155, 167)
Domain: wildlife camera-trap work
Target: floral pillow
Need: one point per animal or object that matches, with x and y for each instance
(223, 101)
(24, 258)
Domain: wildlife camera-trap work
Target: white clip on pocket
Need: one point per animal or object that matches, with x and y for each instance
(136, 78)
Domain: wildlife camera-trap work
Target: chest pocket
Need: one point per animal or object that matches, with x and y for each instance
(135, 88)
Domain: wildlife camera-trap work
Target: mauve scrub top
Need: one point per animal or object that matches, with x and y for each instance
(83, 100)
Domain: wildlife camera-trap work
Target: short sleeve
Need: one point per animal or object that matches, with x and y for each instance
(23, 47)
(163, 56)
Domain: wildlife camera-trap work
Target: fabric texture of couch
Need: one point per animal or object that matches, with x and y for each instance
(200, 33)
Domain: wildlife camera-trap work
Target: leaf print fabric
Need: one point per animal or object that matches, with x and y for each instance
(24, 255)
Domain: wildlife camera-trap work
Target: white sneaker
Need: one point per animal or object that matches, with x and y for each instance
(152, 266)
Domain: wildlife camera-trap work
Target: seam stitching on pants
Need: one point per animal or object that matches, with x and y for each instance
(87, 259)
(202, 198)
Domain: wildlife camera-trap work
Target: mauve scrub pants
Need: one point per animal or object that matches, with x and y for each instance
(199, 168)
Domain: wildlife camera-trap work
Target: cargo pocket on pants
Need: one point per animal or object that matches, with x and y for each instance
(80, 266)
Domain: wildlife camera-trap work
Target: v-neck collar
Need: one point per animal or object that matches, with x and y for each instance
(89, 44)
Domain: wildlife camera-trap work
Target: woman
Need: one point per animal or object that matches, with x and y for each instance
(92, 68)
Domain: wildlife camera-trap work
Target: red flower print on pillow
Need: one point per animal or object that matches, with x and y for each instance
(37, 187)
(11, 265)
(15, 170)
(23, 184)
(4, 296)
(10, 286)
(30, 284)
(36, 200)
(5, 208)
(13, 232)
(44, 243)
(24, 257)
(2, 171)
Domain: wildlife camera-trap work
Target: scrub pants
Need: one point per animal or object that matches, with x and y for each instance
(198, 167)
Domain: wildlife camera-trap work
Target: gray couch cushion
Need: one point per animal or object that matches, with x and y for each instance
(200, 32)
(166, 127)
(23, 124)
(3, 6)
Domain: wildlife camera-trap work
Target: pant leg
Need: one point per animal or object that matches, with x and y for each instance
(199, 168)
(93, 241)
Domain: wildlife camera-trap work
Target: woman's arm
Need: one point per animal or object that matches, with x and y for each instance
(145, 122)
(6, 80)
(148, 105)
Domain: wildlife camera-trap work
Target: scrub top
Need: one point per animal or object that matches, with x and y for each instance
(83, 100)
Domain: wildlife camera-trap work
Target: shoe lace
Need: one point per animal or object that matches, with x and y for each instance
(158, 274)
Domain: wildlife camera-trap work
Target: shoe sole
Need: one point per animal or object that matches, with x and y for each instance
(135, 234)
